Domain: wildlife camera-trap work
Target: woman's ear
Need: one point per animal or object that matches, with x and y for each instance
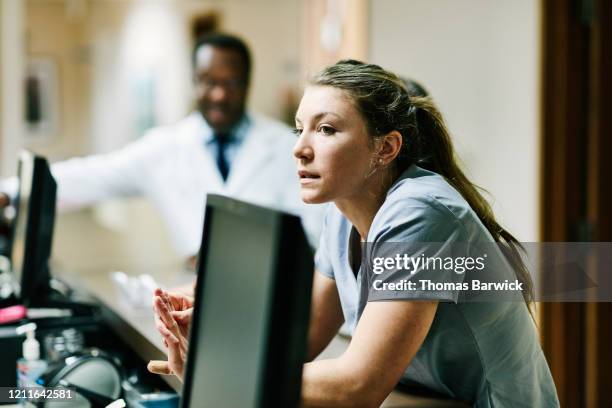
(388, 147)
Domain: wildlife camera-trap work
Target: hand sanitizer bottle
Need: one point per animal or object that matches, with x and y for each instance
(30, 367)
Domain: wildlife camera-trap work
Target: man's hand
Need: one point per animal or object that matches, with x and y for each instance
(191, 262)
(4, 201)
(5, 230)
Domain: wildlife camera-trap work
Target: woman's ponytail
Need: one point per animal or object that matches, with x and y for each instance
(432, 149)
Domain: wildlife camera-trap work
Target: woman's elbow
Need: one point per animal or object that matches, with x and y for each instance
(362, 392)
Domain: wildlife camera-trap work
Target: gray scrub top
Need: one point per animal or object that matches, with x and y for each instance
(487, 354)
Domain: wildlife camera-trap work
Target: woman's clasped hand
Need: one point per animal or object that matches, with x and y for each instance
(173, 313)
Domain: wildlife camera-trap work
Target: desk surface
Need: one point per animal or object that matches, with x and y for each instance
(134, 325)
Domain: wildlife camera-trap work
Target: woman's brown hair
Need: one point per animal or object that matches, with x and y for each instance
(385, 104)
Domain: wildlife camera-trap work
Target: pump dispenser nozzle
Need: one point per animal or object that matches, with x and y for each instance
(31, 347)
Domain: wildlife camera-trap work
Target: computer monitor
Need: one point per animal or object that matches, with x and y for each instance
(33, 229)
(250, 323)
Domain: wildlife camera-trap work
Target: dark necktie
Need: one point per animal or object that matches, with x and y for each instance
(222, 141)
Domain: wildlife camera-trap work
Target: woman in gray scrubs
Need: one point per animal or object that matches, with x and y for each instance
(385, 161)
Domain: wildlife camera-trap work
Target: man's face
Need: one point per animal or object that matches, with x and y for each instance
(221, 86)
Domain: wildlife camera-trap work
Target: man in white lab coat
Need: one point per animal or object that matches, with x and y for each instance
(220, 148)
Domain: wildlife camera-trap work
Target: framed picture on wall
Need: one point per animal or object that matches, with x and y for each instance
(41, 100)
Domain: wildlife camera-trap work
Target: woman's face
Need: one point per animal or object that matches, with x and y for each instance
(333, 152)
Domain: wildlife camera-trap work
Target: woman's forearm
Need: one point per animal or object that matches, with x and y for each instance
(372, 364)
(333, 383)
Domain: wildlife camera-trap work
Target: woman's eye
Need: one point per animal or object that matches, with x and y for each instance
(327, 130)
(297, 131)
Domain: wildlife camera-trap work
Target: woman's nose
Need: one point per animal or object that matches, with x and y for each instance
(302, 149)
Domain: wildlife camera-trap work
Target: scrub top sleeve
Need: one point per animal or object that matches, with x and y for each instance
(422, 238)
(322, 260)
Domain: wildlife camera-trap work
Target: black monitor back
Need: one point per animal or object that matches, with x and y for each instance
(250, 324)
(33, 229)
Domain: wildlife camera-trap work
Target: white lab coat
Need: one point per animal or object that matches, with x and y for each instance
(171, 166)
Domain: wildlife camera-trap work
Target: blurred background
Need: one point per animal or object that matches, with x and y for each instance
(521, 84)
(109, 70)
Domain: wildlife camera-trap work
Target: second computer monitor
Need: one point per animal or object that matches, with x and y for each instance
(250, 323)
(33, 228)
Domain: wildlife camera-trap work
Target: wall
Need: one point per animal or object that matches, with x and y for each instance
(140, 76)
(11, 102)
(1, 88)
(57, 34)
(479, 60)
(349, 40)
